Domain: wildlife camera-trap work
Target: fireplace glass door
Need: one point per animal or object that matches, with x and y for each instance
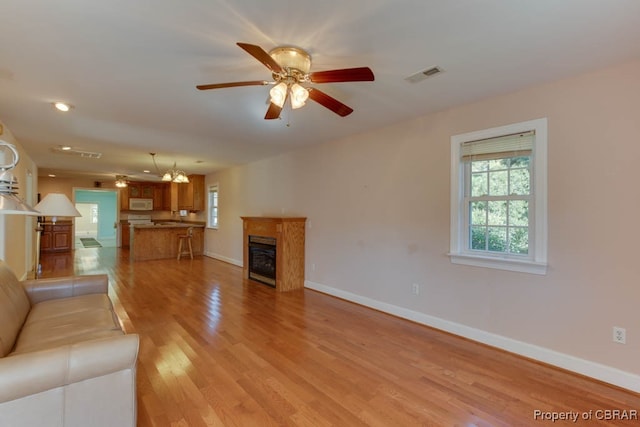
(262, 259)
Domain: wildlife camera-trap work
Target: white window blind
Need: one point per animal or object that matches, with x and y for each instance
(514, 145)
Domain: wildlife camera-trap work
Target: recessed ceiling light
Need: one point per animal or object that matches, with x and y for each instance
(146, 171)
(51, 175)
(62, 106)
(65, 148)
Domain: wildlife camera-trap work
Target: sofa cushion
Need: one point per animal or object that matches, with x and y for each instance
(14, 307)
(67, 321)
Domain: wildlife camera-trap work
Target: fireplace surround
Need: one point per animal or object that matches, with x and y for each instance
(278, 241)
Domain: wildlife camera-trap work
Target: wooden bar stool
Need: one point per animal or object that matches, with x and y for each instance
(187, 249)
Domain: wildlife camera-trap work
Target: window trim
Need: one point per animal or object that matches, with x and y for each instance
(213, 188)
(459, 254)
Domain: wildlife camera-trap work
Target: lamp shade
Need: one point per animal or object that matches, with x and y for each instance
(11, 204)
(56, 204)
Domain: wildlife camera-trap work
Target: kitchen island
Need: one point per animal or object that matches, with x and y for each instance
(160, 241)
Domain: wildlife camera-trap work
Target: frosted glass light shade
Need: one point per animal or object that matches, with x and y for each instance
(278, 94)
(298, 96)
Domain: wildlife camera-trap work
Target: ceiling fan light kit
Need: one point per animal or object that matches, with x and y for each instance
(292, 58)
(121, 181)
(290, 66)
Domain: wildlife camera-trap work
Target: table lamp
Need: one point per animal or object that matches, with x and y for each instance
(53, 205)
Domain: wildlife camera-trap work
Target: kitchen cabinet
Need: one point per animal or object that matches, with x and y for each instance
(167, 195)
(125, 235)
(158, 196)
(161, 242)
(134, 190)
(124, 199)
(191, 195)
(141, 190)
(146, 190)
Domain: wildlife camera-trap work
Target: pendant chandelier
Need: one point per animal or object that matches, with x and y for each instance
(172, 175)
(175, 175)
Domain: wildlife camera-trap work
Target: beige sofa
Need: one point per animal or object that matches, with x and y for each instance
(64, 358)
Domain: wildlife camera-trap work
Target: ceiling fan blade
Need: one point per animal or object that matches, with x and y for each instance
(233, 84)
(261, 55)
(273, 112)
(330, 102)
(360, 74)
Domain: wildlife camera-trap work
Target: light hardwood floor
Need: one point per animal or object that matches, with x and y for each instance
(220, 350)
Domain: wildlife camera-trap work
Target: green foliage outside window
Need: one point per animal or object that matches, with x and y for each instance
(499, 205)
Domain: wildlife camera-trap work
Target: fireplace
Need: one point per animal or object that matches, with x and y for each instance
(273, 251)
(262, 259)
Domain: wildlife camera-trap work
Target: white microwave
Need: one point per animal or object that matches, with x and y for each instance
(140, 204)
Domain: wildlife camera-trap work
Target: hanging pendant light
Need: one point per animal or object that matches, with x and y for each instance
(172, 175)
(175, 175)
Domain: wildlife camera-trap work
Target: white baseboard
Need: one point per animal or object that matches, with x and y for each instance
(588, 368)
(223, 258)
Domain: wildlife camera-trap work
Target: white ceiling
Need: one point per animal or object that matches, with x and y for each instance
(130, 69)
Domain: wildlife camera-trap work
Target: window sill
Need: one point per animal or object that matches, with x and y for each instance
(522, 266)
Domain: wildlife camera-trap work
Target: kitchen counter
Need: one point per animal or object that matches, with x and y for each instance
(169, 224)
(160, 241)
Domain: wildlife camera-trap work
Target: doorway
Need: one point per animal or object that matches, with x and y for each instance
(97, 225)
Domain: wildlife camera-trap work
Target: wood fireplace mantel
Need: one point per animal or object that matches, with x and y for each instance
(289, 234)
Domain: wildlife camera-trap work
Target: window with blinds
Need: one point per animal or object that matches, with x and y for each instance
(499, 197)
(498, 193)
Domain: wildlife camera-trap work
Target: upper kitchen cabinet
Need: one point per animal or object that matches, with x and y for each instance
(144, 190)
(124, 198)
(191, 195)
(158, 196)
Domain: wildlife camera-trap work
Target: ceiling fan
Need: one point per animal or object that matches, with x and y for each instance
(290, 68)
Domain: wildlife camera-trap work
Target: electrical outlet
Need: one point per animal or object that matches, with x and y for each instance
(619, 335)
(415, 288)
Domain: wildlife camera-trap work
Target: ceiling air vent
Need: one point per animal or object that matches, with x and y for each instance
(79, 153)
(421, 75)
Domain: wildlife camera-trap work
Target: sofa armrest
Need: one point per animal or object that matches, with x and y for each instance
(30, 373)
(40, 290)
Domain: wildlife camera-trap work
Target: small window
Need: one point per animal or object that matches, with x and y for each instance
(213, 207)
(498, 208)
(94, 214)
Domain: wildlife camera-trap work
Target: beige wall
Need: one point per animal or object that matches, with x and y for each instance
(378, 212)
(48, 185)
(17, 232)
